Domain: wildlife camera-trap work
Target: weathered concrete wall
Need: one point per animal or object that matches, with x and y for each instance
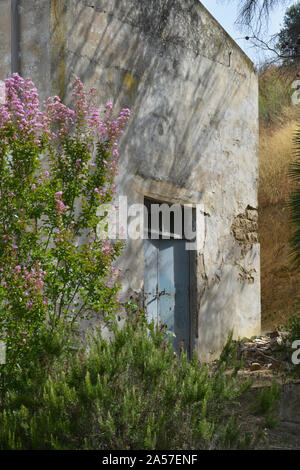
(34, 44)
(5, 38)
(25, 41)
(192, 136)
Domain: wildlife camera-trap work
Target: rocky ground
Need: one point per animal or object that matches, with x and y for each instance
(266, 353)
(267, 359)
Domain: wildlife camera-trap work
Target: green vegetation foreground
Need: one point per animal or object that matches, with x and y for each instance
(131, 392)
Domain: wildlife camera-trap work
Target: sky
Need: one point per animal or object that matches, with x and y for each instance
(226, 12)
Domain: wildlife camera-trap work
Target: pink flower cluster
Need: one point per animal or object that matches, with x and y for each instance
(33, 278)
(21, 112)
(106, 130)
(111, 276)
(82, 101)
(109, 130)
(58, 238)
(59, 114)
(29, 281)
(21, 109)
(60, 208)
(107, 248)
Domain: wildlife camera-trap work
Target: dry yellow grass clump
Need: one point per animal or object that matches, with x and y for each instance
(280, 283)
(276, 153)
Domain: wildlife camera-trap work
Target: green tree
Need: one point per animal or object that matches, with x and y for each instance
(289, 36)
(57, 166)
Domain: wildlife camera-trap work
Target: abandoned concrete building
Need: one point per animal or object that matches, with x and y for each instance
(192, 139)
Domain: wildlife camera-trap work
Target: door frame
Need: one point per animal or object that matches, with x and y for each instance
(193, 284)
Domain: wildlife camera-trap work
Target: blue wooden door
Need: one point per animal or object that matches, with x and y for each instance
(166, 286)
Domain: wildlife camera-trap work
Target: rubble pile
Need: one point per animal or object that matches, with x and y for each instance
(265, 352)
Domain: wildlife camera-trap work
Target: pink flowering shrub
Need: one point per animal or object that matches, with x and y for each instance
(57, 165)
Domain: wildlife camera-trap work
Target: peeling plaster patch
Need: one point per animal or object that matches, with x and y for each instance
(244, 229)
(246, 275)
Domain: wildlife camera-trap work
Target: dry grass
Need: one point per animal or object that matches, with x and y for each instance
(276, 153)
(279, 281)
(278, 121)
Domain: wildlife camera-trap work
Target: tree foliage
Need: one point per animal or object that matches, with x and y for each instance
(289, 36)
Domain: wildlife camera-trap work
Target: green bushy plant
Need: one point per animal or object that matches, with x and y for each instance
(267, 404)
(131, 392)
(293, 329)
